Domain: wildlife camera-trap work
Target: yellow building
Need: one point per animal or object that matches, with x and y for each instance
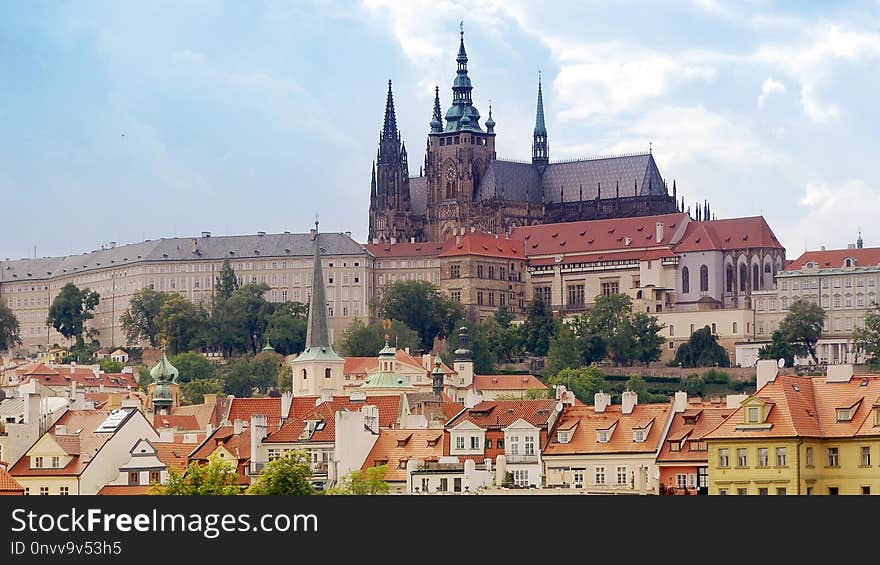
(801, 435)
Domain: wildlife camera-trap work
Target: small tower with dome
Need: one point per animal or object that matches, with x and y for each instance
(164, 391)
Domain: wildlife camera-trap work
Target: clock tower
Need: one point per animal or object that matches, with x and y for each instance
(457, 158)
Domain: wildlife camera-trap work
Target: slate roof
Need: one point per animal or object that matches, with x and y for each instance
(211, 248)
(511, 180)
(418, 195)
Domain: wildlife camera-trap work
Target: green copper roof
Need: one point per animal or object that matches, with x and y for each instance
(164, 371)
(540, 128)
(462, 116)
(319, 354)
(384, 379)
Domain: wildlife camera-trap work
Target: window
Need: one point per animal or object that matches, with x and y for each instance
(780, 491)
(602, 436)
(742, 459)
(685, 280)
(742, 491)
(424, 485)
(530, 445)
(671, 330)
(491, 271)
(763, 457)
(479, 271)
(38, 463)
(729, 279)
(808, 456)
(600, 476)
(833, 457)
(55, 462)
(521, 478)
(578, 478)
(459, 442)
(639, 436)
(699, 446)
(327, 373)
(681, 480)
(723, 457)
(455, 295)
(780, 457)
(444, 485)
(609, 288)
(479, 298)
(475, 442)
(754, 414)
(621, 475)
(744, 278)
(491, 298)
(866, 490)
(723, 492)
(734, 327)
(44, 491)
(513, 445)
(576, 294)
(64, 491)
(866, 456)
(455, 271)
(545, 293)
(833, 491)
(134, 478)
(763, 491)
(704, 278)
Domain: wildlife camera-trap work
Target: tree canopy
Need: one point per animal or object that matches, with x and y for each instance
(362, 340)
(366, 482)
(778, 348)
(538, 328)
(214, 478)
(420, 306)
(802, 327)
(584, 382)
(287, 475)
(287, 327)
(10, 330)
(70, 310)
(867, 339)
(702, 350)
(140, 321)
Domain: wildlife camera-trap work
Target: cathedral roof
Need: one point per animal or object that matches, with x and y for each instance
(418, 195)
(632, 173)
(511, 180)
(732, 233)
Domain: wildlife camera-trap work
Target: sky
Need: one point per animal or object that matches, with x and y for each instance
(125, 121)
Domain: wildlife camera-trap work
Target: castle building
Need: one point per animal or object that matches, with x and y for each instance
(464, 186)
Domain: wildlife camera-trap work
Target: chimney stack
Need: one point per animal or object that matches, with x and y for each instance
(629, 399)
(767, 369)
(601, 401)
(680, 401)
(237, 426)
(659, 232)
(259, 429)
(839, 373)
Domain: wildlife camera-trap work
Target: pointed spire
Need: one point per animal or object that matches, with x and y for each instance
(490, 123)
(462, 115)
(389, 130)
(674, 193)
(859, 241)
(462, 54)
(317, 334)
(437, 117)
(373, 182)
(540, 150)
(539, 116)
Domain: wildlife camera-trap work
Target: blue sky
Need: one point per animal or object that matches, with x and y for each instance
(125, 121)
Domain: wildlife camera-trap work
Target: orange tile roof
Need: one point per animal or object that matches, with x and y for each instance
(586, 422)
(8, 485)
(597, 235)
(62, 376)
(184, 423)
(498, 414)
(398, 446)
(693, 424)
(389, 406)
(35, 369)
(174, 454)
(484, 245)
(428, 249)
(244, 408)
(732, 233)
(205, 413)
(124, 490)
(807, 407)
(325, 413)
(612, 255)
(507, 382)
(835, 257)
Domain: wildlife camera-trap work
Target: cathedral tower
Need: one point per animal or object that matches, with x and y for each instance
(540, 151)
(457, 158)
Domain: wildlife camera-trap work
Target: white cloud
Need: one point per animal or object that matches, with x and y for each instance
(827, 206)
(771, 86)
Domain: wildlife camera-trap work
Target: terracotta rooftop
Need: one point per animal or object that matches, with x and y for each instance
(389, 406)
(507, 382)
(732, 233)
(834, 258)
(396, 447)
(174, 454)
(586, 423)
(8, 485)
(183, 423)
(124, 490)
(691, 425)
(244, 408)
(497, 414)
(484, 245)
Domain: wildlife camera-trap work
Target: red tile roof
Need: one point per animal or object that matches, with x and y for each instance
(428, 249)
(395, 447)
(183, 423)
(174, 454)
(732, 233)
(35, 369)
(360, 365)
(389, 406)
(325, 413)
(507, 382)
(244, 408)
(612, 255)
(8, 485)
(598, 235)
(691, 425)
(62, 376)
(484, 245)
(835, 258)
(498, 414)
(586, 422)
(124, 490)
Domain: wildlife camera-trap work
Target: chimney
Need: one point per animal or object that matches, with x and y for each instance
(371, 417)
(261, 233)
(767, 369)
(822, 248)
(659, 232)
(237, 426)
(375, 241)
(680, 401)
(412, 240)
(601, 401)
(839, 373)
(348, 234)
(393, 240)
(210, 398)
(734, 400)
(406, 349)
(629, 399)
(259, 429)
(166, 435)
(191, 437)
(286, 403)
(458, 239)
(426, 361)
(73, 385)
(850, 245)
(32, 403)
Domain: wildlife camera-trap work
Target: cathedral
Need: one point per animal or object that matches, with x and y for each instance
(462, 186)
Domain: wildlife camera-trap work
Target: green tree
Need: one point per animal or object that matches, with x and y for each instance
(285, 476)
(71, 309)
(194, 391)
(538, 328)
(420, 306)
(693, 384)
(140, 321)
(702, 350)
(584, 382)
(610, 319)
(246, 314)
(227, 282)
(590, 344)
(563, 353)
(10, 330)
(358, 482)
(362, 340)
(648, 341)
(865, 339)
(287, 327)
(778, 348)
(214, 478)
(110, 366)
(193, 366)
(245, 375)
(503, 316)
(182, 324)
(802, 327)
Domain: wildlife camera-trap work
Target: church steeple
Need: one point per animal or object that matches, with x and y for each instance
(317, 334)
(437, 118)
(389, 130)
(462, 115)
(540, 152)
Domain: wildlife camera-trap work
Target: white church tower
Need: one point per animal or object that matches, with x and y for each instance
(318, 369)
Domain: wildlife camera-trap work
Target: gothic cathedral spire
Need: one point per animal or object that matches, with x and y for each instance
(540, 152)
(462, 115)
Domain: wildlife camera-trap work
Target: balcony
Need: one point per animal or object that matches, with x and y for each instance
(256, 468)
(319, 468)
(523, 459)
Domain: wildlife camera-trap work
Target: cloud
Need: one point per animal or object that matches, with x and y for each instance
(825, 206)
(771, 86)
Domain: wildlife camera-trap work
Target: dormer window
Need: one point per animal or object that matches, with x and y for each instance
(753, 415)
(844, 414)
(848, 262)
(639, 436)
(602, 436)
(565, 436)
(675, 446)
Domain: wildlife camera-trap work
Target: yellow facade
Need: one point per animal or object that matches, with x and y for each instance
(777, 476)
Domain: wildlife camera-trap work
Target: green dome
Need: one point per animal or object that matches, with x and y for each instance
(164, 371)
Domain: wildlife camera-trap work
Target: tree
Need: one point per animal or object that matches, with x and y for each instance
(287, 327)
(610, 320)
(590, 344)
(867, 339)
(227, 282)
(538, 328)
(362, 340)
(648, 341)
(584, 382)
(182, 324)
(246, 314)
(503, 316)
(140, 321)
(245, 375)
(802, 327)
(702, 350)
(192, 366)
(358, 482)
(285, 476)
(110, 366)
(778, 348)
(421, 307)
(194, 391)
(214, 478)
(10, 330)
(71, 309)
(563, 352)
